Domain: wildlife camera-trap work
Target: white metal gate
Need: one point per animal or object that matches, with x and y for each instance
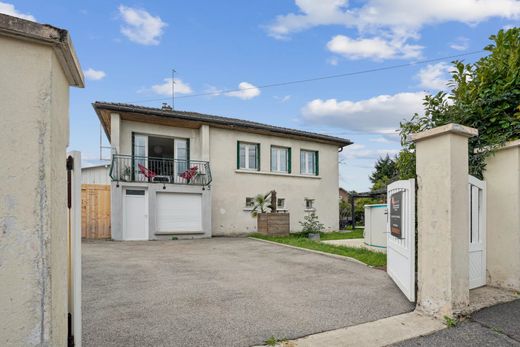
(477, 232)
(401, 236)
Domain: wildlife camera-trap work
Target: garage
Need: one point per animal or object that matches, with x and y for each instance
(179, 213)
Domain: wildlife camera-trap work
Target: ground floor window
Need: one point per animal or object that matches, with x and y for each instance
(309, 204)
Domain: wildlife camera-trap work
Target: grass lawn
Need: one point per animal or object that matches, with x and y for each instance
(368, 257)
(335, 235)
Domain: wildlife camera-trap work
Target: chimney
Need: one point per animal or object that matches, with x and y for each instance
(166, 107)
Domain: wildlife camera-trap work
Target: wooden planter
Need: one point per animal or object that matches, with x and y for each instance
(275, 224)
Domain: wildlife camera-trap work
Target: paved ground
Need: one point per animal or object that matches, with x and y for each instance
(223, 292)
(495, 326)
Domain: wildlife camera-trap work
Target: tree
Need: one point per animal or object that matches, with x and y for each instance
(385, 172)
(484, 95)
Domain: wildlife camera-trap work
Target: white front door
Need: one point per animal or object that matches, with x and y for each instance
(477, 233)
(401, 236)
(135, 215)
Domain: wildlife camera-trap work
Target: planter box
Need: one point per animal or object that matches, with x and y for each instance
(275, 224)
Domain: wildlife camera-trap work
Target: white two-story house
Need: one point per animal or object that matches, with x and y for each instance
(187, 175)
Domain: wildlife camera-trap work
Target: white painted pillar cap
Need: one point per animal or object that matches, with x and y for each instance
(451, 128)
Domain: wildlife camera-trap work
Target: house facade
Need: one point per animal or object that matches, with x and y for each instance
(188, 175)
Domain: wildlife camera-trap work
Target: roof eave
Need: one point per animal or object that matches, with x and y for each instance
(169, 114)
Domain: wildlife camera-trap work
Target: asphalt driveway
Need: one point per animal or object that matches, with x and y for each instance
(223, 292)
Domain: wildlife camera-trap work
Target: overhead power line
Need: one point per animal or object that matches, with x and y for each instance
(318, 78)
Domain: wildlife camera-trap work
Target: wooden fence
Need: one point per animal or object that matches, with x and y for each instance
(95, 211)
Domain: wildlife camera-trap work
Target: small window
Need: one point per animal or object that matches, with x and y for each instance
(248, 156)
(250, 202)
(134, 192)
(280, 204)
(309, 204)
(309, 162)
(280, 159)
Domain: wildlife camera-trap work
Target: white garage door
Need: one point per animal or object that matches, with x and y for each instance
(179, 212)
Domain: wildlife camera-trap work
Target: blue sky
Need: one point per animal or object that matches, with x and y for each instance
(128, 48)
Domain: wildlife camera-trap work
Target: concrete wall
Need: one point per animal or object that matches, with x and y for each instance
(33, 238)
(502, 177)
(96, 175)
(230, 186)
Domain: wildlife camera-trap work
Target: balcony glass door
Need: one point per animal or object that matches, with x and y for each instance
(140, 154)
(181, 156)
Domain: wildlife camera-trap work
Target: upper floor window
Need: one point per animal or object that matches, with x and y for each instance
(248, 156)
(280, 159)
(309, 162)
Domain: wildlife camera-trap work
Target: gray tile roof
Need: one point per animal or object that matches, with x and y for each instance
(216, 120)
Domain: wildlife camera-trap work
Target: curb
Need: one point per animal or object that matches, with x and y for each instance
(342, 257)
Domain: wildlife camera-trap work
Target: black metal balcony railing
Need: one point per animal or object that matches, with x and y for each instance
(128, 168)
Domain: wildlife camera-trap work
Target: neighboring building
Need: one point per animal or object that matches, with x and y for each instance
(188, 174)
(96, 174)
(38, 65)
(343, 194)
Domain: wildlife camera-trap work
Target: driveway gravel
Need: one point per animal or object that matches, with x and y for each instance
(224, 292)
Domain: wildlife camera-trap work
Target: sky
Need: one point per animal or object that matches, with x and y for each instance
(229, 49)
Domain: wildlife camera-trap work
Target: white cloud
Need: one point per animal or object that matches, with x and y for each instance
(390, 23)
(10, 10)
(94, 75)
(400, 16)
(312, 13)
(380, 114)
(333, 61)
(375, 48)
(245, 91)
(380, 139)
(434, 76)
(460, 44)
(283, 99)
(166, 87)
(140, 26)
(360, 151)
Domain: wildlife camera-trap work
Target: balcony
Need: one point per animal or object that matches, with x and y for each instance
(128, 168)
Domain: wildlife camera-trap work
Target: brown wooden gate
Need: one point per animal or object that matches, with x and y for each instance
(95, 211)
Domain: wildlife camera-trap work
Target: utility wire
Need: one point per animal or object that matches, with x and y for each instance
(320, 78)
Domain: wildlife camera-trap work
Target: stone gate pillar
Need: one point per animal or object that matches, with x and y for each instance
(37, 64)
(502, 176)
(443, 218)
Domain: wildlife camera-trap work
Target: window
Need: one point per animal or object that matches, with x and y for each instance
(309, 162)
(250, 202)
(309, 204)
(248, 156)
(280, 204)
(280, 159)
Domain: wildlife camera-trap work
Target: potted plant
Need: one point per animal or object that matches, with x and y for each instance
(311, 226)
(126, 174)
(269, 221)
